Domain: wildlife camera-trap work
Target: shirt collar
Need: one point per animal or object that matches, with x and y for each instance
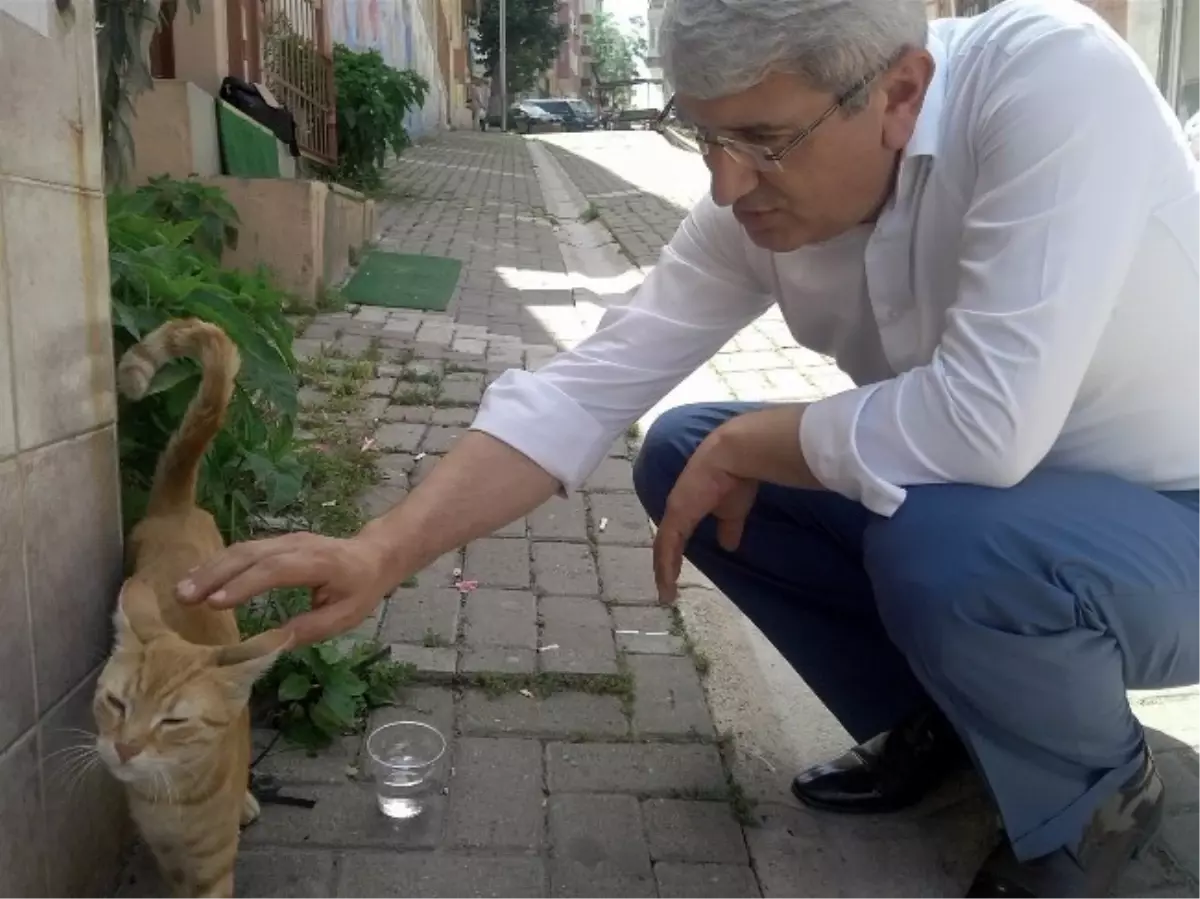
(926, 136)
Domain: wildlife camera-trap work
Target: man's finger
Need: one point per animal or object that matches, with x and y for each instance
(218, 571)
(729, 532)
(287, 569)
(323, 623)
(667, 562)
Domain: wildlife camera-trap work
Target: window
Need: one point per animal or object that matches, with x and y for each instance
(1187, 100)
(968, 8)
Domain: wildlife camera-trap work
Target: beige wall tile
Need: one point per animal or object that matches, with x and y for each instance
(49, 105)
(22, 869)
(83, 812)
(56, 259)
(8, 421)
(73, 554)
(17, 707)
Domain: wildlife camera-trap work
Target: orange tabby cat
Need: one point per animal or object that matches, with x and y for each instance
(171, 704)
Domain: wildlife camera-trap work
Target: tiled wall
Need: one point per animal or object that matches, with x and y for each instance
(61, 829)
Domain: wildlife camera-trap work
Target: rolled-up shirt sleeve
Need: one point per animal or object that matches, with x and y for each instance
(566, 415)
(1059, 207)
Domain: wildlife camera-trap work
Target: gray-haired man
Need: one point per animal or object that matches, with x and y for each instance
(993, 225)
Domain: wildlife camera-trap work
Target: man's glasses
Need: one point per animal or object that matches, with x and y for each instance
(756, 155)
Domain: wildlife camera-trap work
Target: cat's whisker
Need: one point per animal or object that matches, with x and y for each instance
(80, 773)
(68, 764)
(76, 730)
(71, 749)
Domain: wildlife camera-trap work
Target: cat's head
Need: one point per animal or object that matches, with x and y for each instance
(162, 704)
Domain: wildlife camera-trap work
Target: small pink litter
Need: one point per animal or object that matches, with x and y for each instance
(467, 586)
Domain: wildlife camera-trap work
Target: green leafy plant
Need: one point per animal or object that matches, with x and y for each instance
(372, 100)
(164, 244)
(616, 52)
(317, 693)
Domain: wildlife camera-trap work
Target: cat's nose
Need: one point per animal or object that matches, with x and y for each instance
(126, 751)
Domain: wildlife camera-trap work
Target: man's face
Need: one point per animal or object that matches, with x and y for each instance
(837, 177)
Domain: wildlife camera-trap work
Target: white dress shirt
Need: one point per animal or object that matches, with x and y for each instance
(1028, 297)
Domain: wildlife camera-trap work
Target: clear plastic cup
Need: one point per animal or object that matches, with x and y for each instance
(404, 762)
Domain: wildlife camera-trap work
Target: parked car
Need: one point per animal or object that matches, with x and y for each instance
(525, 118)
(575, 114)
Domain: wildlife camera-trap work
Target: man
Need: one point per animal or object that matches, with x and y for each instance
(478, 106)
(992, 224)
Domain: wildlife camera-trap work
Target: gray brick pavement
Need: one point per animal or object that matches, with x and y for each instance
(583, 757)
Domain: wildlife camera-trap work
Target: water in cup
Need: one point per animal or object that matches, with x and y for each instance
(404, 758)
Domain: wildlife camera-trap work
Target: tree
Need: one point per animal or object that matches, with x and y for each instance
(616, 52)
(534, 37)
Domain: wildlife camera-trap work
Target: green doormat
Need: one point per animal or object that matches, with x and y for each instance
(403, 281)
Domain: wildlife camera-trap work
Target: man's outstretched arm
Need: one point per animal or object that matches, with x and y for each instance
(536, 434)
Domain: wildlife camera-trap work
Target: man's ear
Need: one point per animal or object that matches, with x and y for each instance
(241, 664)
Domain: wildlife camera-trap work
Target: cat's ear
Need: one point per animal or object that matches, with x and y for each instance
(243, 663)
(136, 619)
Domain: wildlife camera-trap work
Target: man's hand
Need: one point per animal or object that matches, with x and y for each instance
(721, 479)
(704, 488)
(348, 578)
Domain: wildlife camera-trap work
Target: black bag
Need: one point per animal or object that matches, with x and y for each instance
(247, 98)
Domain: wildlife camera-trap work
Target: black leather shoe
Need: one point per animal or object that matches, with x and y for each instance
(1120, 830)
(889, 772)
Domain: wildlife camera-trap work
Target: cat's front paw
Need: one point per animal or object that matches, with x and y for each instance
(250, 809)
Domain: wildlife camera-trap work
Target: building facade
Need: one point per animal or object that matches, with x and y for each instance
(427, 36)
(1164, 33)
(656, 94)
(565, 77)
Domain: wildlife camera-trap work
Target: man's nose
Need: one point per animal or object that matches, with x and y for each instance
(731, 180)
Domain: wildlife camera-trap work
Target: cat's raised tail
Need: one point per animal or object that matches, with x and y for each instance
(175, 478)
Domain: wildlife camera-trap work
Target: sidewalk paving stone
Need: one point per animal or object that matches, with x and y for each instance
(669, 699)
(569, 878)
(619, 518)
(496, 798)
(628, 574)
(500, 617)
(498, 563)
(642, 768)
(560, 715)
(425, 615)
(439, 876)
(690, 831)
(594, 829)
(646, 630)
(560, 519)
(345, 816)
(564, 569)
(577, 636)
(497, 660)
(705, 881)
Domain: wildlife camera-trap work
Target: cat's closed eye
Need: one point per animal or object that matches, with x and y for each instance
(170, 722)
(116, 704)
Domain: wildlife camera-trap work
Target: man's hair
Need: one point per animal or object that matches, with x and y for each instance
(714, 48)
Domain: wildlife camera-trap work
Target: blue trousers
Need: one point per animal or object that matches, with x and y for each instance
(1025, 614)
